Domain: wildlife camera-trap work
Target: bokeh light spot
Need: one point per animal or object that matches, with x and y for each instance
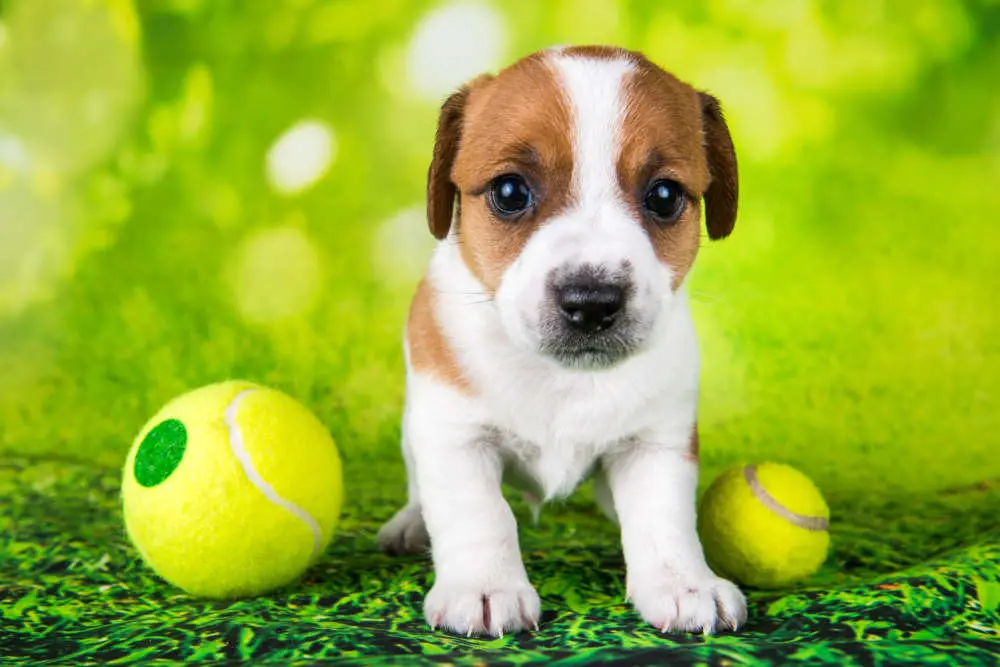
(402, 247)
(70, 82)
(32, 246)
(195, 108)
(69, 77)
(453, 44)
(277, 275)
(300, 156)
(13, 155)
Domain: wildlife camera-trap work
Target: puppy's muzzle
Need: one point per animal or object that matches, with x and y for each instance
(589, 318)
(590, 307)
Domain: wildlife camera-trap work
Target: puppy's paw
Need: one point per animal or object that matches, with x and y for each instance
(405, 533)
(483, 610)
(674, 603)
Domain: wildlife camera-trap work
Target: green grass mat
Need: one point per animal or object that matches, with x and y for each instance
(913, 581)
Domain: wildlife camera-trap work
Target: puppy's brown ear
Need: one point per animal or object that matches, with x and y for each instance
(440, 188)
(722, 195)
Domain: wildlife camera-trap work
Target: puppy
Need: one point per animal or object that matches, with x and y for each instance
(551, 339)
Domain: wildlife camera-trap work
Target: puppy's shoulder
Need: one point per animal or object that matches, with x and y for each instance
(430, 351)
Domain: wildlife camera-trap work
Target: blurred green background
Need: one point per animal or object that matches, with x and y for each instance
(192, 190)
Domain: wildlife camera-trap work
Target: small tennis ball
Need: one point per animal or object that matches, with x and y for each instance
(764, 526)
(232, 490)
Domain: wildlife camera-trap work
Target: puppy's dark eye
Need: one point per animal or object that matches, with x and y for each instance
(509, 195)
(665, 199)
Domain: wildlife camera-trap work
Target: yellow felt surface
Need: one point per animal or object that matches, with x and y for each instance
(792, 489)
(747, 542)
(207, 528)
(293, 451)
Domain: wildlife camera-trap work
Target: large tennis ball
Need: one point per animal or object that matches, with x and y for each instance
(232, 490)
(764, 526)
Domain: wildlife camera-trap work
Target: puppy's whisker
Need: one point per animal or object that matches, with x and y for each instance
(706, 299)
(715, 297)
(464, 293)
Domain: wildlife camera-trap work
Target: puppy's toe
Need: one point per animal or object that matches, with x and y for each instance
(675, 603)
(405, 533)
(483, 610)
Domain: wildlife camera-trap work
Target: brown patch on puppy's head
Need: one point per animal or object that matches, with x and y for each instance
(671, 131)
(515, 123)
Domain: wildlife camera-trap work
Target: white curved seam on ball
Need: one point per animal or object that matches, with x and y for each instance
(243, 456)
(813, 523)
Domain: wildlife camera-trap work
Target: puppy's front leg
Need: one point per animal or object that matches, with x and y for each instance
(653, 482)
(480, 582)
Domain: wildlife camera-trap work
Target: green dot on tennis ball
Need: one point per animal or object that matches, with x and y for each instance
(160, 453)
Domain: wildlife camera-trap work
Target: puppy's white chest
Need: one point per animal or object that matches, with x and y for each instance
(554, 433)
(548, 472)
(552, 414)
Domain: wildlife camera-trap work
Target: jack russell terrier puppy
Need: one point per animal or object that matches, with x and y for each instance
(551, 339)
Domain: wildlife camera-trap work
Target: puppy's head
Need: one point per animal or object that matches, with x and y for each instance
(579, 176)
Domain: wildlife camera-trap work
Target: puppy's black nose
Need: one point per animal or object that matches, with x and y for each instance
(590, 308)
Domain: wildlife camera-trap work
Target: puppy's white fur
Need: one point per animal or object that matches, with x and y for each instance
(544, 426)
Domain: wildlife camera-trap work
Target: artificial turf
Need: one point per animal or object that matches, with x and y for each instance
(914, 581)
(849, 327)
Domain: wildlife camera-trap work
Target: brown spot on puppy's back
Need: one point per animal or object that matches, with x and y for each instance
(430, 351)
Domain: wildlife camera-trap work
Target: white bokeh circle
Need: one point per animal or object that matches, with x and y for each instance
(276, 275)
(300, 156)
(453, 44)
(402, 247)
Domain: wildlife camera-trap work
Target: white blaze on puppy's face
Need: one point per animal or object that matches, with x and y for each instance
(595, 238)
